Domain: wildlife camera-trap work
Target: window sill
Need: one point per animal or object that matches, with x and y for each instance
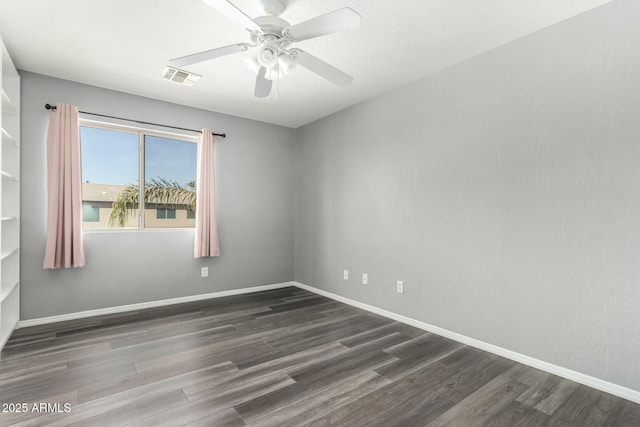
(136, 230)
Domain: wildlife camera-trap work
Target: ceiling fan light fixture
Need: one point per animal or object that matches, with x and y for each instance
(275, 73)
(268, 55)
(252, 64)
(286, 62)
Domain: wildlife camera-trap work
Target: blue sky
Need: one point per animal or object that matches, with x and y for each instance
(111, 157)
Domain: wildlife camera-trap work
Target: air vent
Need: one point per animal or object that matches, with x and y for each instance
(180, 76)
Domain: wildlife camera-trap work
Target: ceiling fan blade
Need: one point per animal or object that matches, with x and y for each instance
(333, 22)
(208, 54)
(323, 69)
(263, 85)
(227, 8)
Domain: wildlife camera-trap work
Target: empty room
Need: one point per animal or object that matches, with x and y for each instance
(304, 213)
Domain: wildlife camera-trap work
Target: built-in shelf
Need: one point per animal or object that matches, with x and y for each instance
(7, 105)
(9, 176)
(5, 293)
(10, 200)
(7, 137)
(8, 253)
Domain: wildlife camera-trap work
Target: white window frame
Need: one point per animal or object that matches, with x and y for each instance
(141, 132)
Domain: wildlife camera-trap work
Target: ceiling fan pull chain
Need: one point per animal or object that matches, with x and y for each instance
(274, 95)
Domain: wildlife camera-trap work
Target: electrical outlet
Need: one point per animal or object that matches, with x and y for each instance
(365, 278)
(204, 272)
(400, 287)
(345, 274)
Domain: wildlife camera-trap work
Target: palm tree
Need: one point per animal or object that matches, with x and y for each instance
(156, 191)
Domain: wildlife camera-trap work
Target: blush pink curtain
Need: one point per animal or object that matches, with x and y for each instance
(64, 247)
(206, 242)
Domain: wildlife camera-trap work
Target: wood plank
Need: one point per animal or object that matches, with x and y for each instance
(67, 354)
(625, 414)
(234, 390)
(42, 388)
(517, 414)
(483, 404)
(320, 375)
(410, 401)
(67, 342)
(145, 405)
(320, 404)
(211, 354)
(295, 305)
(98, 389)
(417, 353)
(191, 413)
(340, 365)
(472, 369)
(227, 418)
(32, 372)
(302, 339)
(547, 393)
(424, 394)
(585, 407)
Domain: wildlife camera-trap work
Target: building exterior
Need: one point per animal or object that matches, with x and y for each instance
(97, 205)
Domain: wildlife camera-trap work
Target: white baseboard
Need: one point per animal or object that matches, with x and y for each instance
(150, 304)
(608, 387)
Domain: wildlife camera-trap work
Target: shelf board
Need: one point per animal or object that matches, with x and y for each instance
(9, 176)
(7, 104)
(8, 253)
(7, 137)
(5, 293)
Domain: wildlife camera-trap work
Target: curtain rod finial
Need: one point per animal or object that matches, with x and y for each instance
(50, 107)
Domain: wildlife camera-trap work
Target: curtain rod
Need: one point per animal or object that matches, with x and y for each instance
(54, 108)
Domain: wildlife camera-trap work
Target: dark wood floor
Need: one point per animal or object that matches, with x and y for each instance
(279, 358)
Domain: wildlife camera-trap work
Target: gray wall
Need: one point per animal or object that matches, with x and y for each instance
(255, 212)
(504, 191)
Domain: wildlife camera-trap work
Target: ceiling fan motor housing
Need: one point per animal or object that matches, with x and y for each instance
(273, 43)
(272, 7)
(272, 26)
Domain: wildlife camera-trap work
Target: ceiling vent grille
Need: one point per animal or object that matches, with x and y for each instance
(180, 76)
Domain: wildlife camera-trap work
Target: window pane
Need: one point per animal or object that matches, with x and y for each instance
(110, 174)
(164, 213)
(191, 214)
(90, 213)
(170, 176)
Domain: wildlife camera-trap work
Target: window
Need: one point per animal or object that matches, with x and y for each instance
(191, 214)
(119, 163)
(90, 213)
(165, 213)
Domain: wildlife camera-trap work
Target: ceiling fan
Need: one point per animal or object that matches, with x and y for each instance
(273, 37)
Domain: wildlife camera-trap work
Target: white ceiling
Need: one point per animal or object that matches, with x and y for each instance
(125, 44)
